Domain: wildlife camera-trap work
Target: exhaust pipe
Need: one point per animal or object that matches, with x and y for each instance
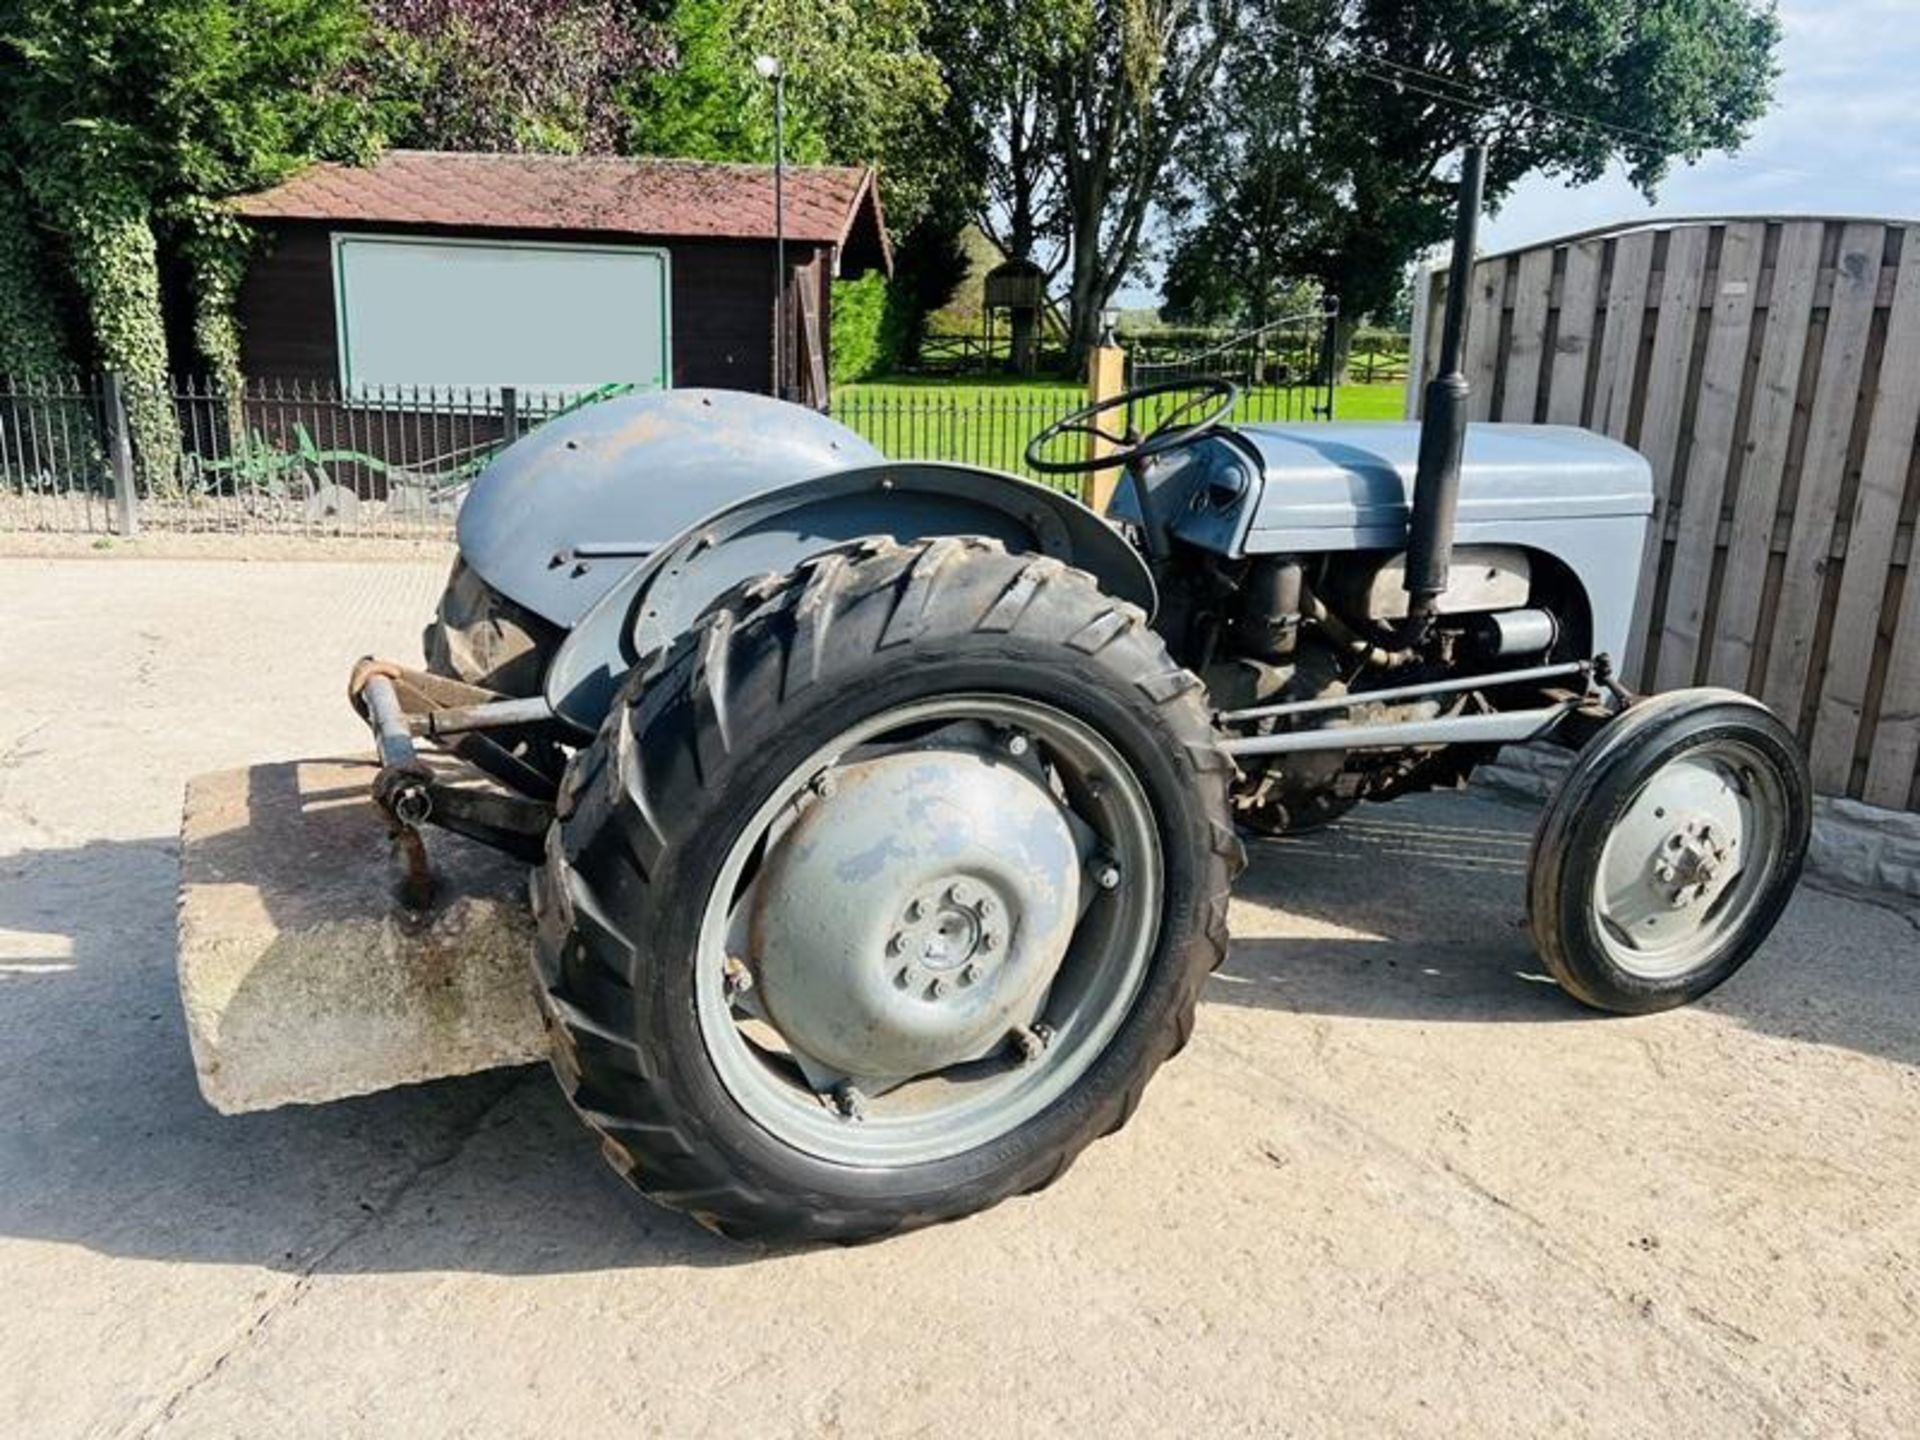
(1443, 430)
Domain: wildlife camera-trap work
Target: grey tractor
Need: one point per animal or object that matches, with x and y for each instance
(883, 815)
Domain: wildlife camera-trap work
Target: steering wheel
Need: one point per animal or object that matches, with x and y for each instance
(1213, 397)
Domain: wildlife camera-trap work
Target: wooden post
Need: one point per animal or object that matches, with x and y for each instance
(120, 456)
(1423, 283)
(1106, 378)
(509, 414)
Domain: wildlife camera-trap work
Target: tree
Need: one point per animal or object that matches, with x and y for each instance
(1356, 108)
(124, 123)
(861, 88)
(1123, 104)
(32, 341)
(1076, 109)
(1250, 182)
(515, 75)
(1002, 59)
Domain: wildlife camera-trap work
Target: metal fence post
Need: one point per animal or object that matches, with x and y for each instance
(120, 455)
(1106, 378)
(509, 414)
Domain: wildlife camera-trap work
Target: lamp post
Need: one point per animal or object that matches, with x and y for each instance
(768, 67)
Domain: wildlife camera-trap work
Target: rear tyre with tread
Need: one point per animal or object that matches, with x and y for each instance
(708, 736)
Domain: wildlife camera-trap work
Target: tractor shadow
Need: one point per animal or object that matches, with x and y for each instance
(107, 1144)
(1413, 912)
(1417, 911)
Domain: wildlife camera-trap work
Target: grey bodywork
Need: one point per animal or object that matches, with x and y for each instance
(622, 477)
(773, 531)
(621, 523)
(1580, 498)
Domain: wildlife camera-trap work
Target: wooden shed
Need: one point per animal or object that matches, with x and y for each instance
(550, 273)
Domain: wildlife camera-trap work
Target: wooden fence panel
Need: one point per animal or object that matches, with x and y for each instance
(1717, 410)
(1796, 275)
(1870, 541)
(1769, 369)
(1532, 288)
(1620, 340)
(1480, 359)
(1660, 437)
(1893, 774)
(1823, 466)
(1574, 335)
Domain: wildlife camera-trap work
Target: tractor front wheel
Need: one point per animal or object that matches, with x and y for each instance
(1669, 851)
(883, 892)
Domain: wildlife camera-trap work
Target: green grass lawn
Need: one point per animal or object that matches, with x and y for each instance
(1350, 402)
(989, 421)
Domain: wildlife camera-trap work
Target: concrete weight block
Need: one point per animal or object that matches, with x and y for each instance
(302, 979)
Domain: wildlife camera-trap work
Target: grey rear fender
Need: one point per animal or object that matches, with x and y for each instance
(776, 531)
(560, 515)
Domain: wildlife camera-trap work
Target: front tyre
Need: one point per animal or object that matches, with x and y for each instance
(1669, 851)
(883, 892)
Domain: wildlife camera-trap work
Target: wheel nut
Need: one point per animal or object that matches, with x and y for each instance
(960, 893)
(970, 972)
(939, 986)
(848, 1100)
(989, 941)
(1108, 876)
(916, 909)
(824, 785)
(739, 979)
(1032, 1041)
(1018, 744)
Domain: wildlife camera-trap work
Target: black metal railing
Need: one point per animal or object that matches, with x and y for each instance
(99, 455)
(989, 430)
(1284, 368)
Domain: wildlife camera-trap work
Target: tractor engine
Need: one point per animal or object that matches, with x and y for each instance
(1310, 627)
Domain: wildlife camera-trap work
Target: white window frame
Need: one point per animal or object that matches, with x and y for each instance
(340, 238)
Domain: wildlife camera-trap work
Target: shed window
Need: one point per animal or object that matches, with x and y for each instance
(483, 314)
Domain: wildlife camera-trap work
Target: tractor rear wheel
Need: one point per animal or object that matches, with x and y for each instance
(883, 891)
(1669, 850)
(481, 637)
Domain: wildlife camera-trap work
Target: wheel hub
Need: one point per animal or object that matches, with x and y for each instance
(1678, 848)
(915, 912)
(951, 935)
(1690, 862)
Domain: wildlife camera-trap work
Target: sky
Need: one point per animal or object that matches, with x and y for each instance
(1843, 137)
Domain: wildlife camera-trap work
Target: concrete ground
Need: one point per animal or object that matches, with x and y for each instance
(1398, 1184)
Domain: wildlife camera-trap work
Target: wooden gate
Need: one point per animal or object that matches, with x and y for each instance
(1769, 369)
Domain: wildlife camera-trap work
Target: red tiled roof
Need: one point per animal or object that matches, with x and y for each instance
(572, 192)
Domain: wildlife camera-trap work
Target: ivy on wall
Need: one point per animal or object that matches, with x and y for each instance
(115, 263)
(216, 247)
(127, 124)
(32, 341)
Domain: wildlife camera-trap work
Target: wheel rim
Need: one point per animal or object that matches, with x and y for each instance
(1687, 861)
(930, 930)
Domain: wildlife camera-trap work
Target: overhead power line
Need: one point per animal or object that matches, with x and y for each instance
(1457, 93)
